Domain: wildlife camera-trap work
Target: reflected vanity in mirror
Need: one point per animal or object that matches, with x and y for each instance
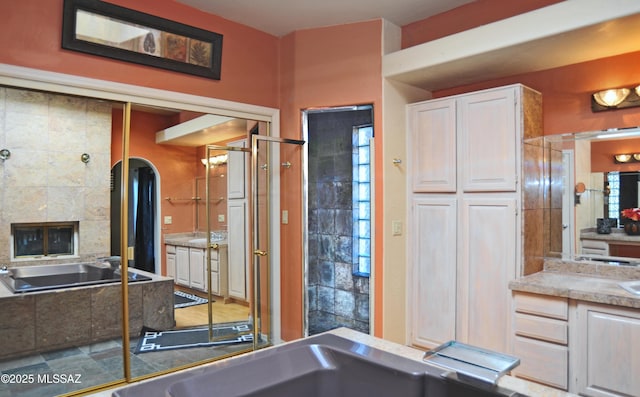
(593, 184)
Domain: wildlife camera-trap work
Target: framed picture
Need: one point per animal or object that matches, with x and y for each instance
(99, 28)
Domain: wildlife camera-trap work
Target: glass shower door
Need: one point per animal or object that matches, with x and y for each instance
(276, 177)
(227, 222)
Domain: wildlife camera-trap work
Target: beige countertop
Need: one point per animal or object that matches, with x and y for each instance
(582, 281)
(193, 240)
(617, 235)
(508, 382)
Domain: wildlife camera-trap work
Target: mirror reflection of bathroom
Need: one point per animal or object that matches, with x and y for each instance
(60, 231)
(600, 177)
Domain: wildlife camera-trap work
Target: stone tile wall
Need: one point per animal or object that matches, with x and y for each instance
(336, 296)
(44, 180)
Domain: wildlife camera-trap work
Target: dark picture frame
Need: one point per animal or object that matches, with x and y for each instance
(99, 28)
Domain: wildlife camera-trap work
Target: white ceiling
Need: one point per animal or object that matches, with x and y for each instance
(280, 17)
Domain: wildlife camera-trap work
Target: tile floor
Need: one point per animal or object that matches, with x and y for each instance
(95, 364)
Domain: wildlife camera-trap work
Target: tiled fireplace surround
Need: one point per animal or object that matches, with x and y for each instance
(45, 180)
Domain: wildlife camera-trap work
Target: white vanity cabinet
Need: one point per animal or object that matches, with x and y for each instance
(189, 264)
(197, 269)
(605, 350)
(541, 337)
(219, 272)
(464, 163)
(171, 262)
(191, 270)
(182, 266)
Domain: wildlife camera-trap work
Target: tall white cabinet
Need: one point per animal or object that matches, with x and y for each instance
(237, 225)
(464, 167)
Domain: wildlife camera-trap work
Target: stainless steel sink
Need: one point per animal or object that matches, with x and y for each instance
(631, 286)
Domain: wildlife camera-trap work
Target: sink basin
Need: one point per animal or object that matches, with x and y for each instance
(198, 241)
(631, 286)
(319, 366)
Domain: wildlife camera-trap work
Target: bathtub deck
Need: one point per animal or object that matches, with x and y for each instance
(56, 319)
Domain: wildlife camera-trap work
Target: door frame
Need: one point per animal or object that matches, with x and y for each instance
(157, 225)
(568, 205)
(304, 115)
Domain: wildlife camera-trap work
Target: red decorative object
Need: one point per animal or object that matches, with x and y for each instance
(631, 213)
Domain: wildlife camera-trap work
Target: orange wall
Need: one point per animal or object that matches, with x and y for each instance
(31, 34)
(176, 166)
(566, 93)
(602, 155)
(339, 65)
(477, 13)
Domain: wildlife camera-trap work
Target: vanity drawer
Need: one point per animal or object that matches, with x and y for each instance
(171, 249)
(542, 305)
(214, 265)
(595, 247)
(544, 328)
(542, 362)
(215, 283)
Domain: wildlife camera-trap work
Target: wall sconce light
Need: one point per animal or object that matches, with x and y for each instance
(615, 98)
(622, 158)
(626, 158)
(215, 160)
(4, 154)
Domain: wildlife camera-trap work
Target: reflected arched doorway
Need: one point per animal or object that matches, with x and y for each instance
(144, 226)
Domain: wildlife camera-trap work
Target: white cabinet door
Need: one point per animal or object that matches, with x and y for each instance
(433, 274)
(236, 171)
(197, 269)
(607, 350)
(237, 246)
(487, 263)
(433, 146)
(219, 273)
(489, 136)
(182, 266)
(171, 265)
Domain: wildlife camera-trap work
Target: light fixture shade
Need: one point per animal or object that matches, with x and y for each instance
(637, 90)
(612, 97)
(216, 160)
(622, 158)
